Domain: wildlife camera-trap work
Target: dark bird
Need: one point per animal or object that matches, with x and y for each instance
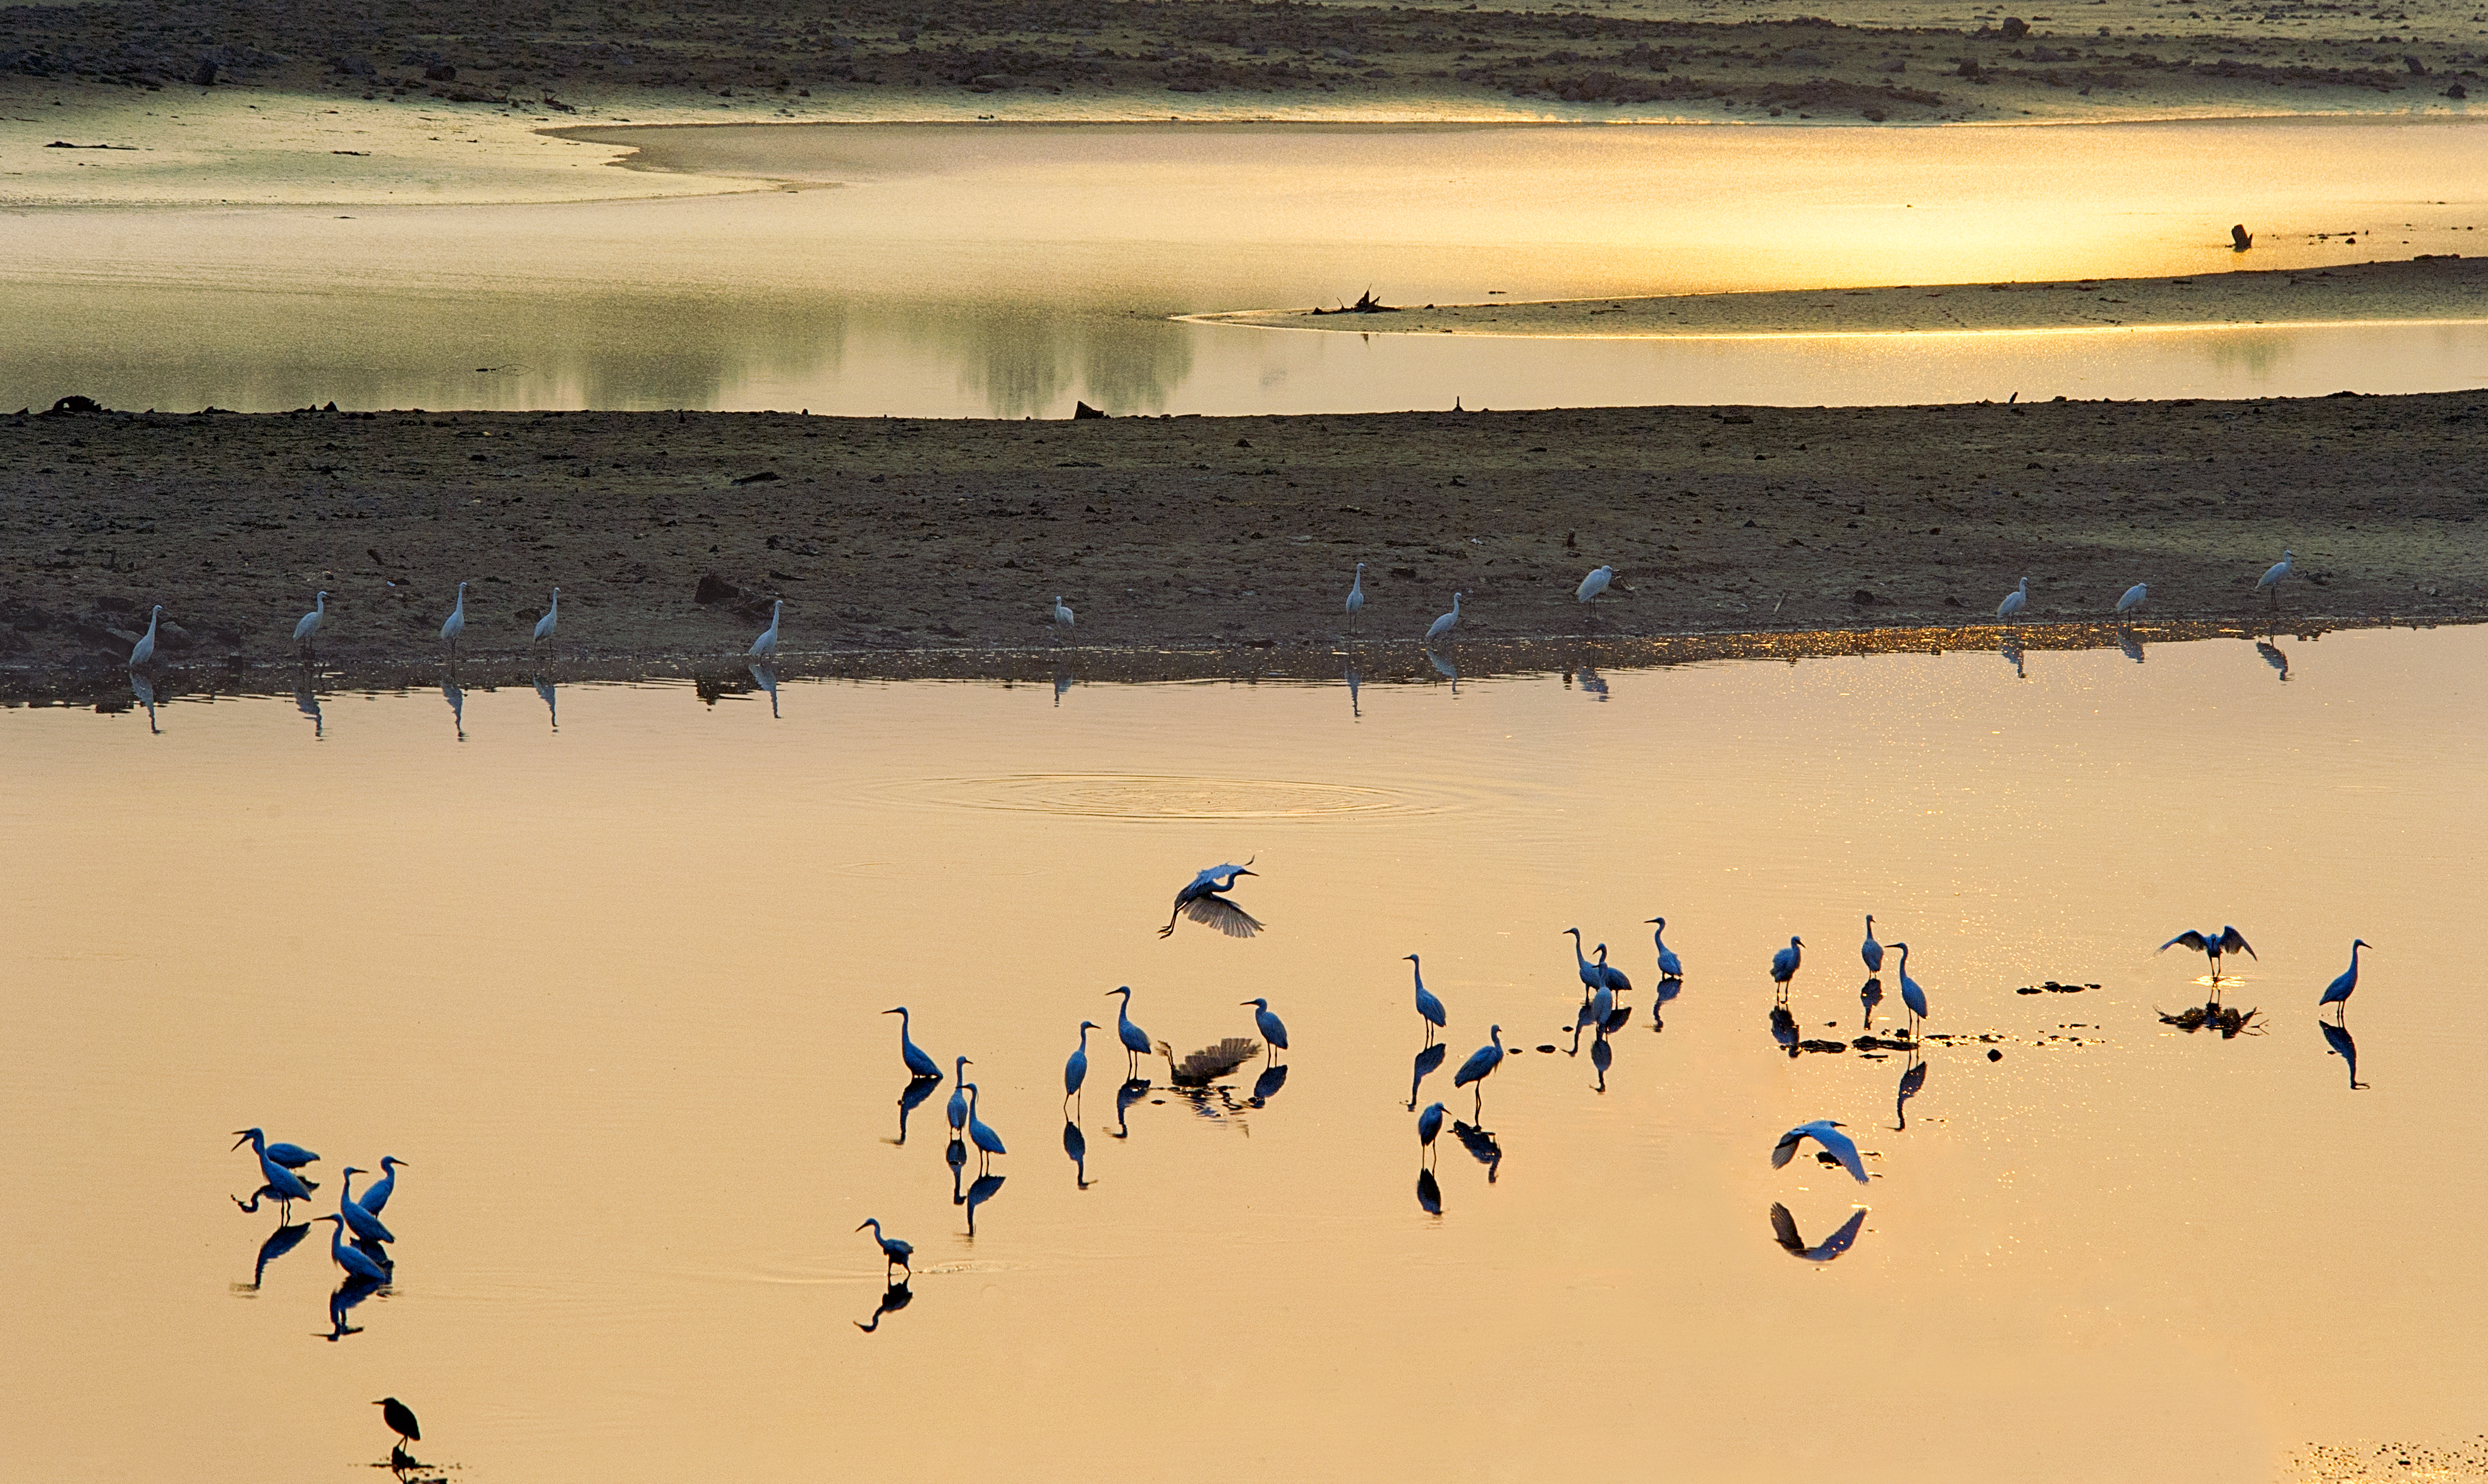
(1201, 1067)
(2212, 945)
(1869, 950)
(1273, 1029)
(1783, 964)
(2240, 239)
(1823, 1131)
(1201, 903)
(378, 1197)
(400, 1418)
(918, 1064)
(1429, 1008)
(290, 1155)
(894, 1253)
(2339, 991)
(1784, 1228)
(1479, 1065)
(1135, 1041)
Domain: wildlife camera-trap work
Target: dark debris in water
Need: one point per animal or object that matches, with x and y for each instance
(2052, 987)
(2229, 1021)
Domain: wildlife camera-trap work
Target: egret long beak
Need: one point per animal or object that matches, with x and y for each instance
(860, 1225)
(245, 1139)
(1241, 871)
(897, 1010)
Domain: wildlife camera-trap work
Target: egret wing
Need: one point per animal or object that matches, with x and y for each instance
(1223, 915)
(1843, 1149)
(2233, 941)
(1785, 1149)
(2191, 939)
(1784, 1229)
(1839, 1242)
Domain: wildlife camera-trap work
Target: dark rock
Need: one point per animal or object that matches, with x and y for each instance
(2457, 92)
(2418, 69)
(2015, 28)
(71, 406)
(1861, 597)
(714, 589)
(1082, 409)
(761, 478)
(206, 76)
(1993, 1054)
(1969, 67)
(440, 72)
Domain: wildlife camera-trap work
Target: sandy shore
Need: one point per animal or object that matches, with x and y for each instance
(2435, 287)
(901, 538)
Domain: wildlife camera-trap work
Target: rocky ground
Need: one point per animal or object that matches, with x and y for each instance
(668, 533)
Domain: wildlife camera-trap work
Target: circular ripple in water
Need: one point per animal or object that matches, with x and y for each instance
(1132, 797)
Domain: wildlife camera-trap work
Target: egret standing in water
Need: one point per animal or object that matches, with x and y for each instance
(1135, 1041)
(1429, 1008)
(1075, 1071)
(1670, 966)
(2341, 990)
(1591, 977)
(456, 622)
(1429, 1124)
(383, 1188)
(957, 1110)
(918, 1064)
(145, 648)
(291, 1155)
(1593, 584)
(988, 1144)
(553, 616)
(1443, 626)
(349, 1258)
(358, 1216)
(1869, 950)
(400, 1418)
(766, 643)
(1912, 997)
(1783, 964)
(1611, 977)
(2271, 576)
(310, 624)
(1356, 592)
(2214, 946)
(1061, 614)
(894, 1253)
(1479, 1067)
(1273, 1029)
(2133, 599)
(1201, 902)
(2015, 601)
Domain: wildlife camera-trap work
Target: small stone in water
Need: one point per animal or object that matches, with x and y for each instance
(1548, 1046)
(1993, 1054)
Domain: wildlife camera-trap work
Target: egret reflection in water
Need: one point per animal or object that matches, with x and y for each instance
(285, 1239)
(2010, 649)
(1446, 669)
(2132, 647)
(143, 690)
(2273, 657)
(1430, 1193)
(986, 1187)
(1266, 1086)
(910, 1098)
(1913, 1081)
(456, 700)
(1482, 1146)
(1354, 712)
(1133, 1090)
(553, 706)
(767, 680)
(308, 704)
(1869, 996)
(1428, 1062)
(897, 1295)
(1784, 1232)
(1075, 1148)
(352, 1291)
(2337, 1042)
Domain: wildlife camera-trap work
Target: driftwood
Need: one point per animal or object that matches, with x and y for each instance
(1365, 304)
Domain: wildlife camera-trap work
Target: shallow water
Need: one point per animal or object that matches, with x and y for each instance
(613, 988)
(965, 271)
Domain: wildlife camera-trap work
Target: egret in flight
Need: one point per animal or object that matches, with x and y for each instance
(553, 616)
(1670, 966)
(1479, 1065)
(1912, 996)
(2339, 991)
(145, 648)
(1429, 1008)
(766, 643)
(1273, 1029)
(2015, 601)
(352, 1259)
(1443, 626)
(1593, 584)
(1201, 903)
(2133, 598)
(1869, 950)
(918, 1064)
(1783, 964)
(1825, 1131)
(2272, 574)
(988, 1144)
(456, 622)
(1135, 1041)
(894, 1253)
(310, 624)
(2212, 945)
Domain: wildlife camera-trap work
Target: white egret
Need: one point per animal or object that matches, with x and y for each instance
(1481, 1065)
(2015, 601)
(957, 1110)
(2214, 946)
(1826, 1132)
(145, 648)
(377, 1195)
(358, 1216)
(1591, 977)
(1869, 950)
(1783, 964)
(1135, 1041)
(1062, 615)
(1609, 976)
(1201, 902)
(894, 1253)
(1429, 1008)
(1273, 1029)
(1593, 584)
(918, 1064)
(988, 1144)
(291, 1155)
(310, 623)
(1670, 966)
(2133, 598)
(1356, 592)
(2272, 574)
(2339, 992)
(553, 616)
(1075, 1071)
(1912, 997)
(352, 1259)
(766, 643)
(1429, 1124)
(1443, 626)
(456, 622)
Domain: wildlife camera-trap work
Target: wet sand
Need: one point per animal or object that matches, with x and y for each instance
(898, 538)
(2432, 288)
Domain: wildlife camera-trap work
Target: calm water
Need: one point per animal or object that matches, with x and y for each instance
(613, 992)
(965, 271)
